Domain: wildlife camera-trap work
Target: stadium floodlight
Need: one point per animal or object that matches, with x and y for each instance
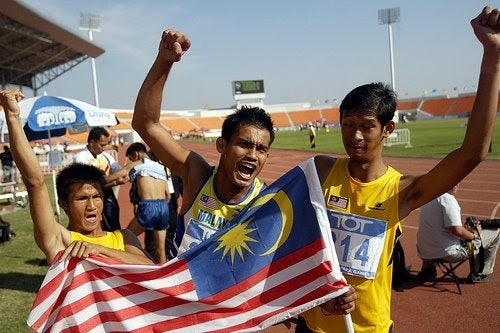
(92, 23)
(389, 16)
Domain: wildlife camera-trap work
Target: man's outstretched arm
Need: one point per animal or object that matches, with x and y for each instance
(459, 163)
(146, 118)
(48, 233)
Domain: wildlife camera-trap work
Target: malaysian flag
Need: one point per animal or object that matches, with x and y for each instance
(207, 201)
(275, 259)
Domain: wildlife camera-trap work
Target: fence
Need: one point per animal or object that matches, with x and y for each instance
(57, 160)
(399, 137)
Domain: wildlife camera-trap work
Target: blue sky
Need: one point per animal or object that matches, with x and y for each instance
(304, 50)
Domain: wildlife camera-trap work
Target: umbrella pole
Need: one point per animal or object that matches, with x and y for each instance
(57, 209)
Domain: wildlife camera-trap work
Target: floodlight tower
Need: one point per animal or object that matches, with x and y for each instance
(92, 23)
(389, 16)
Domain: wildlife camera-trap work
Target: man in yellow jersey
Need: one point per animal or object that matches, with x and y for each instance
(367, 199)
(80, 189)
(211, 195)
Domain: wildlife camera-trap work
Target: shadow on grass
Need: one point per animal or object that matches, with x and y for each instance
(21, 281)
(37, 262)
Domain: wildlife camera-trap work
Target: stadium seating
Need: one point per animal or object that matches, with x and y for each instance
(281, 120)
(208, 123)
(304, 116)
(409, 105)
(178, 125)
(289, 115)
(331, 115)
(438, 106)
(462, 106)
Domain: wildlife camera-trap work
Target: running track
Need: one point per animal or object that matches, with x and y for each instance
(420, 308)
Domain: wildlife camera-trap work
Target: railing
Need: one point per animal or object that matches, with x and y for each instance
(399, 137)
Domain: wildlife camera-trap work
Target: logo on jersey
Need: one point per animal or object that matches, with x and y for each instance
(207, 201)
(335, 201)
(378, 206)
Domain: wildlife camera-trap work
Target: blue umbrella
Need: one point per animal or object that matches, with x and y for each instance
(51, 116)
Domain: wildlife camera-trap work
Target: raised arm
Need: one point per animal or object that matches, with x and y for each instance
(188, 165)
(48, 233)
(146, 119)
(414, 192)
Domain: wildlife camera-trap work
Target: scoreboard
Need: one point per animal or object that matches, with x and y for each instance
(248, 89)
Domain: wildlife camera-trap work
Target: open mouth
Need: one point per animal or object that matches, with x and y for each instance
(91, 218)
(245, 170)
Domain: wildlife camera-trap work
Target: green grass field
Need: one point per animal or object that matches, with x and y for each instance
(21, 273)
(428, 139)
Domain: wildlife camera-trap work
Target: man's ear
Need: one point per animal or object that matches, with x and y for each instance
(389, 128)
(63, 205)
(134, 156)
(220, 144)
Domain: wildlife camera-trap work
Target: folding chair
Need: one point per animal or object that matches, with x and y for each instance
(449, 268)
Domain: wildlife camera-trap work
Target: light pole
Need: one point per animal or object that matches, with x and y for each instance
(389, 16)
(90, 22)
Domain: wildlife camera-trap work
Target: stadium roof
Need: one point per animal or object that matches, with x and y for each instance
(35, 51)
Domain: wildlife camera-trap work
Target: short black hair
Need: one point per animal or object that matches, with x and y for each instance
(247, 115)
(96, 133)
(136, 147)
(377, 96)
(78, 173)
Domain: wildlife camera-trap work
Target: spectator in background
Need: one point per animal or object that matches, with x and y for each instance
(174, 185)
(149, 195)
(38, 148)
(7, 165)
(173, 204)
(442, 235)
(94, 154)
(312, 135)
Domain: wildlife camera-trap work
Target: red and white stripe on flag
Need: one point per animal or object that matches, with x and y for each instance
(96, 295)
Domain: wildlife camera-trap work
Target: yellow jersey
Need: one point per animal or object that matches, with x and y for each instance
(209, 214)
(364, 219)
(113, 240)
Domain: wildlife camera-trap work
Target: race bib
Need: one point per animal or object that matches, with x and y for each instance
(195, 233)
(359, 242)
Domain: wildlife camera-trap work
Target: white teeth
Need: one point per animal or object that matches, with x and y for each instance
(245, 175)
(248, 166)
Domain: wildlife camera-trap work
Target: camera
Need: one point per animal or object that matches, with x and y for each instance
(490, 224)
(472, 222)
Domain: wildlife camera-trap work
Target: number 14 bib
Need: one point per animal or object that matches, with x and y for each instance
(359, 242)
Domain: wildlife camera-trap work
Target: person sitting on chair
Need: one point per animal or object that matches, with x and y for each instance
(442, 235)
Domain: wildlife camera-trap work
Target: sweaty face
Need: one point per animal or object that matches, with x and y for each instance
(362, 134)
(84, 208)
(244, 156)
(98, 146)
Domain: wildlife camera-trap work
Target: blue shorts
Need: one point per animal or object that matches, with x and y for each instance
(153, 214)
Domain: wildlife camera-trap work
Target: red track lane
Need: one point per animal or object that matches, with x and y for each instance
(420, 308)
